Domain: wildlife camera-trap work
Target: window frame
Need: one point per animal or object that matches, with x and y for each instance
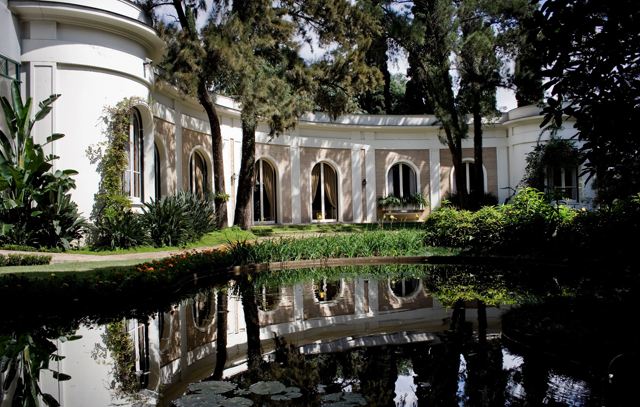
(135, 150)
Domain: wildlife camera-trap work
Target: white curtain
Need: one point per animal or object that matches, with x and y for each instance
(315, 180)
(268, 183)
(330, 186)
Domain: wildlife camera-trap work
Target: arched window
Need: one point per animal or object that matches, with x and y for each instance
(469, 171)
(203, 309)
(325, 291)
(198, 178)
(268, 298)
(405, 287)
(132, 183)
(157, 174)
(324, 190)
(264, 193)
(401, 181)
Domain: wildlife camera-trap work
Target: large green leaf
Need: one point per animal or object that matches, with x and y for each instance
(54, 137)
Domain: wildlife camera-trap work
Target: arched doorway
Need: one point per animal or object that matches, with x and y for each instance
(264, 193)
(324, 192)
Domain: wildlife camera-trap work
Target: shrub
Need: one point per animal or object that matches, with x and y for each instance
(119, 229)
(450, 227)
(489, 224)
(530, 221)
(23, 260)
(179, 219)
(200, 213)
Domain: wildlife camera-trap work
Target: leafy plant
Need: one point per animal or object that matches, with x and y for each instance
(36, 206)
(112, 159)
(390, 201)
(179, 219)
(123, 229)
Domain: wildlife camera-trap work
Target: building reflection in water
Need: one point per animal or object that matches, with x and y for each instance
(181, 345)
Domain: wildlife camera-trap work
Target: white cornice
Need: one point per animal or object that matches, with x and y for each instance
(93, 18)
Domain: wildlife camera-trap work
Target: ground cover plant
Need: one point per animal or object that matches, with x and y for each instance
(23, 259)
(365, 244)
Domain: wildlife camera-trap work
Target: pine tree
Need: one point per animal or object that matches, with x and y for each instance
(273, 84)
(190, 66)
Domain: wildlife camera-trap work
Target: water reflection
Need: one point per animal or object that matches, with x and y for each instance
(407, 338)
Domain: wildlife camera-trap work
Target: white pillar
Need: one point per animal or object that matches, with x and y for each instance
(502, 157)
(184, 343)
(434, 175)
(370, 190)
(373, 297)
(296, 210)
(356, 184)
(298, 302)
(178, 135)
(359, 296)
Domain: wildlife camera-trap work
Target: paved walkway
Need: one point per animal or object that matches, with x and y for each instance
(76, 257)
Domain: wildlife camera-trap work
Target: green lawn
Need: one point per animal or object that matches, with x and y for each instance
(71, 266)
(218, 237)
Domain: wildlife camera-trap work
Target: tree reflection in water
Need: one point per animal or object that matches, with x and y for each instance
(538, 361)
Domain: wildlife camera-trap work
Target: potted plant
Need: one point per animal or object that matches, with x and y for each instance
(389, 202)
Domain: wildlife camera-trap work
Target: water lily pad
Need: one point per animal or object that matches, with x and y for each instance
(212, 387)
(332, 397)
(292, 389)
(355, 398)
(279, 397)
(200, 400)
(236, 402)
(242, 392)
(265, 388)
(293, 395)
(343, 399)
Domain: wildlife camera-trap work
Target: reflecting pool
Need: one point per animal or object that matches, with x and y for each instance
(392, 335)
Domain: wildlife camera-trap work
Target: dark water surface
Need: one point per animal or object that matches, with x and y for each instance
(409, 335)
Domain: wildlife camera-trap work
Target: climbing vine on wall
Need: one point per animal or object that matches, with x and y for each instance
(112, 160)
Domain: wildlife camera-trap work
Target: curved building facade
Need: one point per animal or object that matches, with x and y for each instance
(96, 53)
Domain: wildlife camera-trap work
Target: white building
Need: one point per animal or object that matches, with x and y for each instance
(97, 52)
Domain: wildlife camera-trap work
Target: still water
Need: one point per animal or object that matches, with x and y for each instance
(379, 336)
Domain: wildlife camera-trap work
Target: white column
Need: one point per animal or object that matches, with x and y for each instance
(296, 210)
(356, 184)
(184, 343)
(370, 190)
(178, 135)
(359, 296)
(373, 297)
(502, 157)
(298, 303)
(434, 175)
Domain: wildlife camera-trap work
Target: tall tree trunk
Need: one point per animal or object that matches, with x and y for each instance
(242, 216)
(221, 333)
(477, 183)
(204, 97)
(482, 323)
(216, 153)
(250, 308)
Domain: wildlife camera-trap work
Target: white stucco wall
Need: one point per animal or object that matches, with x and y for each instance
(9, 34)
